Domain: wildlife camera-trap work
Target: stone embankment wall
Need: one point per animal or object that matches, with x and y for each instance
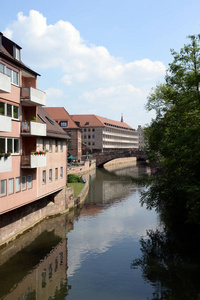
(80, 169)
(18, 221)
(122, 161)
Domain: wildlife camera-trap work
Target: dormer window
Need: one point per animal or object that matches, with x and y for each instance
(63, 123)
(16, 53)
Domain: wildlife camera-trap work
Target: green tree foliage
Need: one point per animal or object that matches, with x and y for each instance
(71, 178)
(173, 137)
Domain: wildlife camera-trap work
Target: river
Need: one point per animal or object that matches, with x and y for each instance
(89, 253)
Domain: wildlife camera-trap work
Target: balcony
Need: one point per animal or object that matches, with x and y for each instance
(5, 123)
(5, 164)
(5, 84)
(32, 97)
(33, 161)
(33, 128)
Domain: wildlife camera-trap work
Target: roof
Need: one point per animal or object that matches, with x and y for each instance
(5, 53)
(53, 129)
(60, 114)
(97, 121)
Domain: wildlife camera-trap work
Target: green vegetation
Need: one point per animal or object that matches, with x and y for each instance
(173, 137)
(73, 178)
(78, 186)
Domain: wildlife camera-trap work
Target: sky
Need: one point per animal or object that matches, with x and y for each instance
(100, 57)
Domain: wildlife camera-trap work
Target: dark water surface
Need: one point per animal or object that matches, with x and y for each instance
(87, 254)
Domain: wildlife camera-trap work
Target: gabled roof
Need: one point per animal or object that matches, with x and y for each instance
(97, 121)
(6, 55)
(60, 114)
(53, 129)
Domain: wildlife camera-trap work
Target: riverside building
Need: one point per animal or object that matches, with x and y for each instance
(62, 117)
(33, 147)
(102, 134)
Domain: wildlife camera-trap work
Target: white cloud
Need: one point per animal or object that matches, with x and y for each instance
(61, 45)
(54, 93)
(89, 72)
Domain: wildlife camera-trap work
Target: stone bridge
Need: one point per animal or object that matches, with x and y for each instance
(102, 158)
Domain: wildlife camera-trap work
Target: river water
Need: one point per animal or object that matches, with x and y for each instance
(87, 254)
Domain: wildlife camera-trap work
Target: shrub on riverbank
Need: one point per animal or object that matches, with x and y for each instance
(73, 178)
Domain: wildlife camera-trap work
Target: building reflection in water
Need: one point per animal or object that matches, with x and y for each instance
(35, 265)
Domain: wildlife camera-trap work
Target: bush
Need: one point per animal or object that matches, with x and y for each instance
(73, 178)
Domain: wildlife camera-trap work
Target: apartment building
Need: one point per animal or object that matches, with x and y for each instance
(33, 147)
(102, 134)
(62, 117)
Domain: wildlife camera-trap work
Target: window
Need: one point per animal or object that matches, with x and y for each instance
(17, 184)
(50, 175)
(63, 123)
(15, 112)
(9, 110)
(2, 108)
(93, 136)
(44, 177)
(3, 187)
(9, 145)
(10, 185)
(29, 181)
(44, 145)
(17, 53)
(1, 68)
(14, 76)
(61, 146)
(88, 136)
(56, 145)
(23, 183)
(50, 145)
(16, 145)
(61, 172)
(93, 129)
(8, 72)
(56, 173)
(2, 145)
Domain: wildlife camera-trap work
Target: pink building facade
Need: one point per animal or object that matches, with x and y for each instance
(33, 147)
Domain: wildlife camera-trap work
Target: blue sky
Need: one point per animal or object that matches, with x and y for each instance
(100, 57)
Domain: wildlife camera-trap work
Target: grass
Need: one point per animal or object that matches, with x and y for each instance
(78, 186)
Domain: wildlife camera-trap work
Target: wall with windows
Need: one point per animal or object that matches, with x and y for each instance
(52, 177)
(17, 187)
(92, 137)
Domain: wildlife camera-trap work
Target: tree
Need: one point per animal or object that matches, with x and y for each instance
(173, 137)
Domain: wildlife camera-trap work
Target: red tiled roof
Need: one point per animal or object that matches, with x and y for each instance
(97, 121)
(53, 129)
(60, 114)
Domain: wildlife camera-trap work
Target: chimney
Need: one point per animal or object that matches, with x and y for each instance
(122, 119)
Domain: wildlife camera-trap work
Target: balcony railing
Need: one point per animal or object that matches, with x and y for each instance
(5, 123)
(5, 164)
(31, 96)
(33, 160)
(5, 84)
(33, 128)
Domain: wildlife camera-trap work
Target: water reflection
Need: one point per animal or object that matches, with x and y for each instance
(34, 266)
(86, 254)
(170, 261)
